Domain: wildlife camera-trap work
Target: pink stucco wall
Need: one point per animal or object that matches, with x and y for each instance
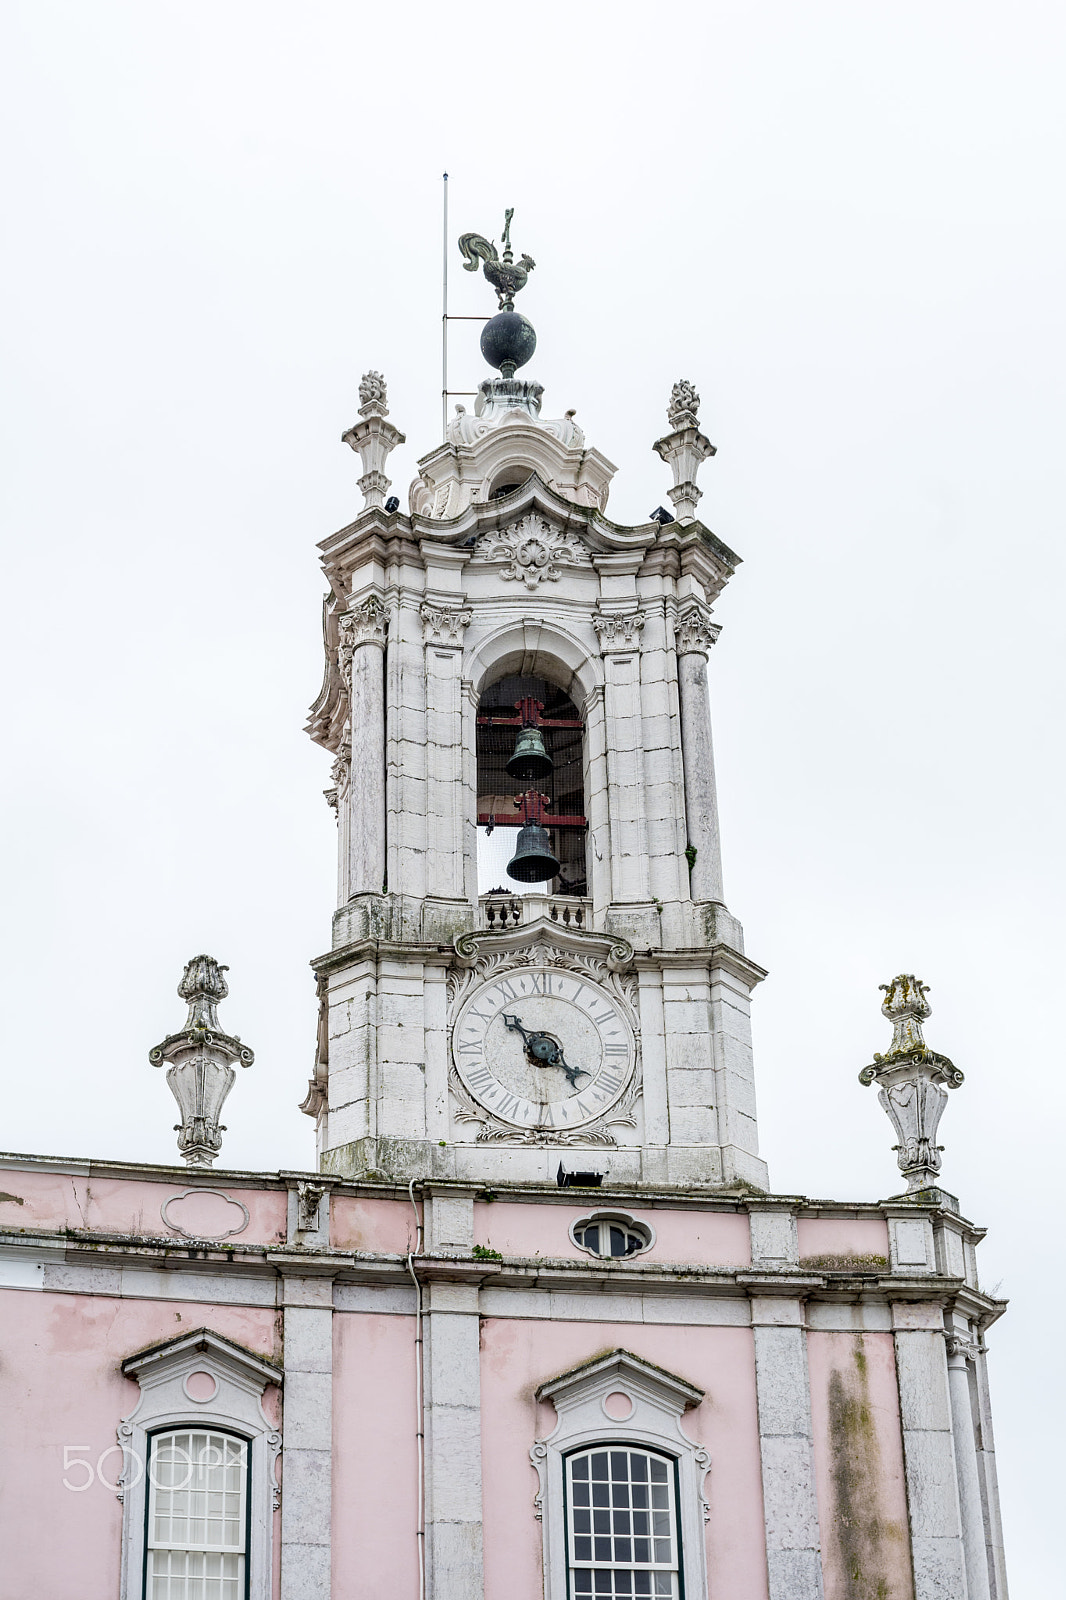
(518, 1356)
(702, 1238)
(60, 1385)
(842, 1236)
(53, 1200)
(858, 1462)
(368, 1224)
(374, 1456)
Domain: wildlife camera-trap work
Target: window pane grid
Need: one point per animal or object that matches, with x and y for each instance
(622, 1528)
(196, 1516)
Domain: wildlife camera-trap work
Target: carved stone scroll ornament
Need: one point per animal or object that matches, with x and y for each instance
(444, 626)
(532, 552)
(912, 1081)
(618, 631)
(365, 623)
(199, 1057)
(695, 633)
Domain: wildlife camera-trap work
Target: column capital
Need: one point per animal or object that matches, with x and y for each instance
(694, 632)
(443, 626)
(961, 1350)
(618, 631)
(364, 623)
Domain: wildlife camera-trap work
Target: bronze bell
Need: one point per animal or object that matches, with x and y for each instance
(530, 759)
(532, 861)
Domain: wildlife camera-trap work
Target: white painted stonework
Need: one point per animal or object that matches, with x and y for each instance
(465, 589)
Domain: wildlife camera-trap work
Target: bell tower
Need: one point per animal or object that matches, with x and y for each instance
(516, 687)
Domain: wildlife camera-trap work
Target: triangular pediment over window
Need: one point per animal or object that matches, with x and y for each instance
(608, 1373)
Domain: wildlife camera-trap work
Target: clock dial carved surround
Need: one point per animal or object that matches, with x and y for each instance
(544, 1045)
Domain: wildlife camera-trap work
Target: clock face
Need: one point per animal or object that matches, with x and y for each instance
(543, 1048)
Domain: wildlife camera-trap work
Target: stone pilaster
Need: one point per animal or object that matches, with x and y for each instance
(619, 634)
(362, 641)
(986, 1466)
(443, 629)
(663, 775)
(961, 1352)
(308, 1433)
(790, 1505)
(694, 636)
(454, 1540)
(929, 1454)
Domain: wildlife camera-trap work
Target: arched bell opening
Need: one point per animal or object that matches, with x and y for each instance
(531, 821)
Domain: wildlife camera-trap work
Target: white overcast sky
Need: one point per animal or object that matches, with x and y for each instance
(846, 223)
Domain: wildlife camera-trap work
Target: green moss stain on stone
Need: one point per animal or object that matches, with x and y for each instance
(870, 1548)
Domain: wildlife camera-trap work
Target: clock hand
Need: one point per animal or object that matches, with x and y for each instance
(544, 1052)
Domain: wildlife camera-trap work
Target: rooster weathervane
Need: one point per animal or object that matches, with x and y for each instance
(505, 274)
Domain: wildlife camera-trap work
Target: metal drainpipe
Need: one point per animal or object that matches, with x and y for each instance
(420, 1434)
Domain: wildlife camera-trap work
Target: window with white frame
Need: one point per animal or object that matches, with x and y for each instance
(197, 1535)
(613, 1234)
(621, 1496)
(198, 1486)
(622, 1523)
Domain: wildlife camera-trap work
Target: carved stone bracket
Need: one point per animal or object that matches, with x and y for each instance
(912, 1081)
(532, 551)
(618, 632)
(308, 1199)
(444, 626)
(695, 633)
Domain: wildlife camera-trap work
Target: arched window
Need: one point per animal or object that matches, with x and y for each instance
(622, 1528)
(504, 708)
(197, 1535)
(621, 1484)
(199, 1494)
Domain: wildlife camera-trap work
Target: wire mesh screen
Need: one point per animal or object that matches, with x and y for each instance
(498, 727)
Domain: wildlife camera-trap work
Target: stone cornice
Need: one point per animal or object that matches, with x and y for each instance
(593, 1278)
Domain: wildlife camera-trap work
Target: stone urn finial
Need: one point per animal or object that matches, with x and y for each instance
(198, 1058)
(912, 1080)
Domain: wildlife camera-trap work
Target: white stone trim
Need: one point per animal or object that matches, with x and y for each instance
(659, 1400)
(235, 1408)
